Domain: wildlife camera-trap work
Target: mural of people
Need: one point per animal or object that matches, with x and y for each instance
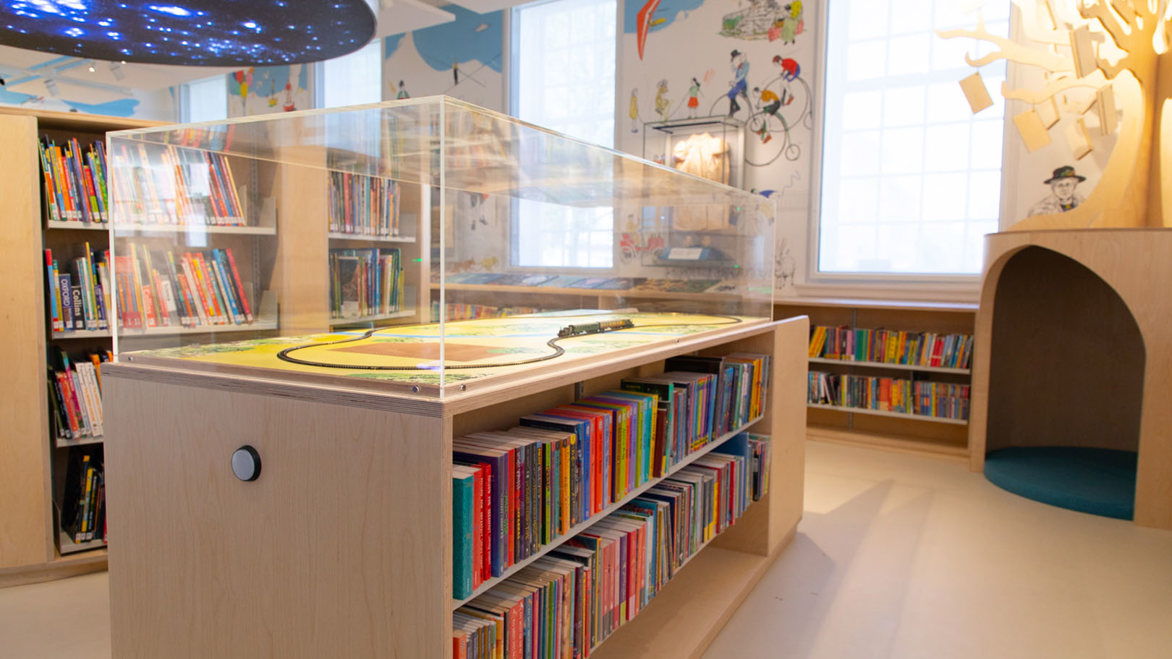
(662, 102)
(791, 26)
(693, 97)
(790, 69)
(402, 93)
(739, 85)
(633, 111)
(1063, 196)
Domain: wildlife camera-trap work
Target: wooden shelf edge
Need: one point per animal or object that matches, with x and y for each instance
(62, 568)
(946, 450)
(686, 615)
(864, 303)
(885, 365)
(897, 415)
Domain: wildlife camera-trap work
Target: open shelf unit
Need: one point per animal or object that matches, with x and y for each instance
(31, 459)
(368, 569)
(912, 432)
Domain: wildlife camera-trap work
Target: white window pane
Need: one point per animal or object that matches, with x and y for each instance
(861, 110)
(903, 106)
(207, 99)
(862, 202)
(867, 20)
(910, 55)
(985, 196)
(564, 80)
(860, 154)
(913, 16)
(903, 151)
(946, 148)
(946, 102)
(944, 197)
(866, 61)
(900, 199)
(353, 79)
(936, 165)
(987, 138)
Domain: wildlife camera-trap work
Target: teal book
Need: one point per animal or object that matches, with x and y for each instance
(462, 526)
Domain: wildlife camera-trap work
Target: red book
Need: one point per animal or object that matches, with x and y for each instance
(239, 287)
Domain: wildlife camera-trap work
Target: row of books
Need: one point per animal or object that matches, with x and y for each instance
(79, 290)
(75, 181)
(457, 311)
(365, 282)
(75, 396)
(83, 505)
(363, 205)
(892, 346)
(639, 284)
(198, 288)
(919, 397)
(566, 603)
(563, 465)
(177, 186)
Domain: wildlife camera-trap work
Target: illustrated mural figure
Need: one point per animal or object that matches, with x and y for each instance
(693, 97)
(740, 86)
(662, 102)
(770, 104)
(633, 112)
(1063, 196)
(792, 25)
(402, 93)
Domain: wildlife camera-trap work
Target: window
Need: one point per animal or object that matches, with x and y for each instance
(910, 176)
(563, 78)
(353, 79)
(204, 100)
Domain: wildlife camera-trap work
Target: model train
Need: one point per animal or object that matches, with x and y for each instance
(595, 328)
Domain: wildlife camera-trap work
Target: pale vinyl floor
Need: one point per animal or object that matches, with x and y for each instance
(897, 556)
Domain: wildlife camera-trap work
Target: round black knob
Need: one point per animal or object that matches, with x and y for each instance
(246, 463)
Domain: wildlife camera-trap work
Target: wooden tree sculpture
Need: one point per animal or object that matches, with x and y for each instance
(1073, 54)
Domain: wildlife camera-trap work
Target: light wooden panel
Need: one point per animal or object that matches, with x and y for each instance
(1067, 369)
(1135, 264)
(766, 523)
(338, 549)
(25, 515)
(301, 275)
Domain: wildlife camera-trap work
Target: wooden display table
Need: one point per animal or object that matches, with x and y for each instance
(343, 545)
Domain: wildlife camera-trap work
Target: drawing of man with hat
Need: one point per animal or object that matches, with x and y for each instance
(739, 85)
(1062, 196)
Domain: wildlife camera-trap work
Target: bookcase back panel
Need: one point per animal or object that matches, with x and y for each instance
(25, 537)
(330, 552)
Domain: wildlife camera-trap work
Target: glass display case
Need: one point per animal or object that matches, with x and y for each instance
(425, 242)
(708, 147)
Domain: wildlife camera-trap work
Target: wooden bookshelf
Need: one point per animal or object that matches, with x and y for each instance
(343, 545)
(30, 459)
(904, 432)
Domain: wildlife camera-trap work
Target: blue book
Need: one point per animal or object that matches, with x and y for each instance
(498, 460)
(463, 480)
(65, 285)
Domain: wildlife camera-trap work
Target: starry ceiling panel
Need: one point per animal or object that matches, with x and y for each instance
(191, 32)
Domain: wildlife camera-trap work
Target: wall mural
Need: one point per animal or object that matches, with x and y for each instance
(120, 108)
(268, 89)
(750, 61)
(463, 58)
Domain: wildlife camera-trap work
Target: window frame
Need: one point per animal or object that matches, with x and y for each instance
(945, 287)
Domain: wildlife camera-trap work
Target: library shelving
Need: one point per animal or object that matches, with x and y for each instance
(34, 464)
(302, 501)
(942, 434)
(341, 545)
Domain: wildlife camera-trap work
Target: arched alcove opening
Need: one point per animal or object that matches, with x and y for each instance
(1066, 378)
